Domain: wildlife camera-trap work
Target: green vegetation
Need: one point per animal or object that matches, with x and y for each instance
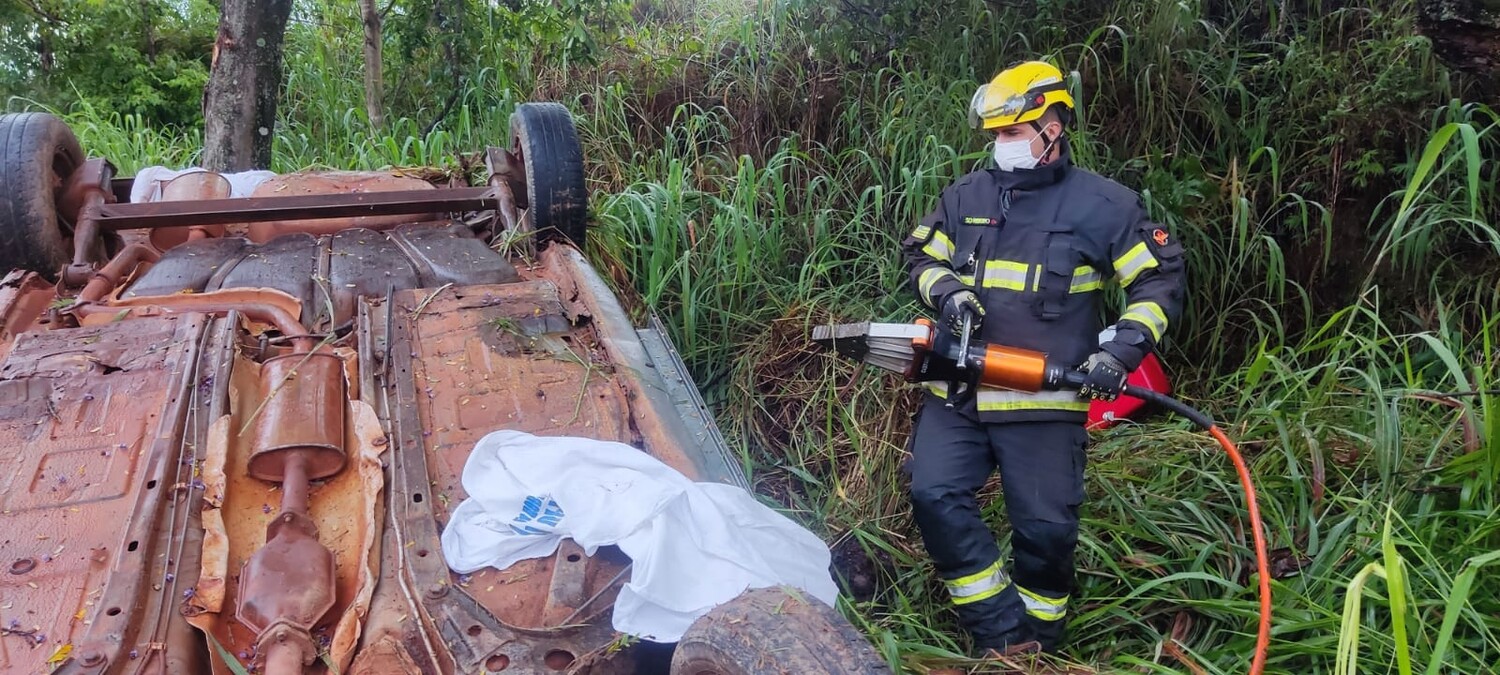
(147, 58)
(755, 164)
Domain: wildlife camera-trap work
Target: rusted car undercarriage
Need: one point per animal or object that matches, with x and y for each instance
(233, 428)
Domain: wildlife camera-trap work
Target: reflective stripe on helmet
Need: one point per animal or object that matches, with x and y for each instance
(995, 102)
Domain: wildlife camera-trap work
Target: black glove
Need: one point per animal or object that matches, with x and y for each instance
(954, 307)
(1106, 377)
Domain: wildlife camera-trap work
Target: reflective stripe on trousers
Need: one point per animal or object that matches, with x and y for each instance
(1043, 607)
(986, 583)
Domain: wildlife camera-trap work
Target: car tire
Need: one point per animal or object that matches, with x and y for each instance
(543, 136)
(37, 153)
(774, 631)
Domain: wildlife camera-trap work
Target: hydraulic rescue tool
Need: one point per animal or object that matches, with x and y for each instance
(924, 352)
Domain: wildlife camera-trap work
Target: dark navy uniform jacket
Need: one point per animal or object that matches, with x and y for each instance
(1037, 246)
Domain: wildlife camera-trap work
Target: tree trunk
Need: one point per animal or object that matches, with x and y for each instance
(374, 106)
(148, 41)
(244, 82)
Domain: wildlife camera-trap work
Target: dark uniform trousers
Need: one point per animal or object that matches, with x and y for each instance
(1041, 471)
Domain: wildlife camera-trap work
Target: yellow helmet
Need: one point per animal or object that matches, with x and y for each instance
(1020, 93)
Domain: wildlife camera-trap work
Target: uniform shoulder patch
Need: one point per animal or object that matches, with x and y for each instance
(1160, 241)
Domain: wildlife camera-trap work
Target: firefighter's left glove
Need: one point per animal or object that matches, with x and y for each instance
(956, 305)
(1105, 377)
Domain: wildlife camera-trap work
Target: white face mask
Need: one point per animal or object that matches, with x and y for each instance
(1012, 155)
(1016, 155)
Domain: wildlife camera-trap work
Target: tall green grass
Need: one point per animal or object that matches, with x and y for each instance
(754, 166)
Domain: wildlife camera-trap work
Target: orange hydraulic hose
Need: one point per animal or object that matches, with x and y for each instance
(1262, 565)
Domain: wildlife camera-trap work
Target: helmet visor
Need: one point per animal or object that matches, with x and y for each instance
(991, 102)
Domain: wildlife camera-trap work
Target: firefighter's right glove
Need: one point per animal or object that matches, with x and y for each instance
(956, 305)
(1105, 377)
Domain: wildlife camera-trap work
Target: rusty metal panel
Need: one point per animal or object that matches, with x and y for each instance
(288, 264)
(365, 262)
(98, 350)
(189, 266)
(656, 412)
(508, 357)
(450, 255)
(350, 264)
(343, 185)
(24, 296)
(89, 420)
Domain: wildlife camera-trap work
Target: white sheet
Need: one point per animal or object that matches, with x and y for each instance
(149, 181)
(694, 545)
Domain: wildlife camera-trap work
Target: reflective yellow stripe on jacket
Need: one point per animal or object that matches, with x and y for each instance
(1085, 279)
(1007, 274)
(990, 399)
(940, 248)
(1012, 275)
(1148, 314)
(1129, 266)
(928, 279)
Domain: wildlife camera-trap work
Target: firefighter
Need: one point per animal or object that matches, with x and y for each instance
(1026, 247)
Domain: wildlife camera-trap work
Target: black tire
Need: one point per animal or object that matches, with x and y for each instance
(775, 631)
(37, 153)
(542, 134)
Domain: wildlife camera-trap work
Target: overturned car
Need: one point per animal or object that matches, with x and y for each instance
(234, 427)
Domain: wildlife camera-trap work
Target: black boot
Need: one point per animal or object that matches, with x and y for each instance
(1052, 635)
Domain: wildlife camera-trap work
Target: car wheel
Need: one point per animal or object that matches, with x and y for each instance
(774, 631)
(543, 137)
(37, 153)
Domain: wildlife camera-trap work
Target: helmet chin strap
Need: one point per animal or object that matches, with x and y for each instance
(1047, 143)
